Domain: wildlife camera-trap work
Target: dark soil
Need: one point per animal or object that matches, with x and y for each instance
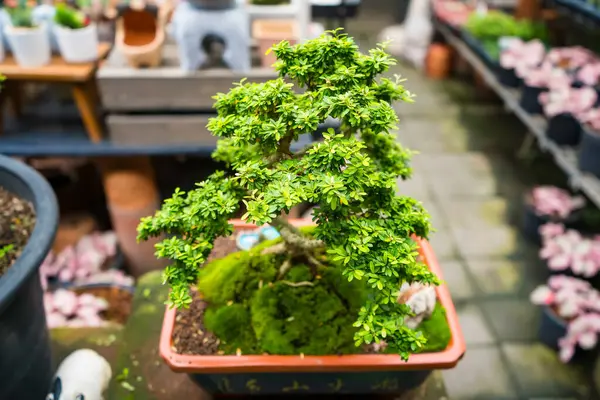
(189, 334)
(17, 219)
(119, 302)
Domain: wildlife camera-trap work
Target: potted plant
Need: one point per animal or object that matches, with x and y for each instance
(563, 106)
(516, 58)
(545, 204)
(571, 315)
(567, 251)
(29, 42)
(587, 157)
(28, 223)
(337, 284)
(77, 38)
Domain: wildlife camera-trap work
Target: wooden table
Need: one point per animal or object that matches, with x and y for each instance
(81, 77)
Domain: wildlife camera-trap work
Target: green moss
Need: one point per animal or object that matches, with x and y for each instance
(248, 309)
(436, 330)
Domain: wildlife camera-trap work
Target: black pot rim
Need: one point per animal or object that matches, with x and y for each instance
(42, 237)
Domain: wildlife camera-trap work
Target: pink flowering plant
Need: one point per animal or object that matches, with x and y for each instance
(554, 202)
(570, 58)
(548, 76)
(568, 100)
(589, 74)
(566, 249)
(84, 262)
(64, 308)
(578, 304)
(591, 119)
(522, 56)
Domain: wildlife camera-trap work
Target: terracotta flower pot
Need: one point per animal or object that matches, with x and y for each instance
(357, 373)
(439, 61)
(270, 32)
(140, 35)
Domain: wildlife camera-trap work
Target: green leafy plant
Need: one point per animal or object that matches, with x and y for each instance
(21, 15)
(496, 24)
(4, 250)
(69, 17)
(364, 230)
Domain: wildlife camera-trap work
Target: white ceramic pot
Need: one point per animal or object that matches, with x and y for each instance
(77, 45)
(30, 46)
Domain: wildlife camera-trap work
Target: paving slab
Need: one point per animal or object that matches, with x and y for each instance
(423, 135)
(511, 318)
(457, 175)
(104, 340)
(540, 374)
(505, 276)
(481, 375)
(475, 328)
(499, 241)
(474, 213)
(455, 276)
(416, 186)
(443, 245)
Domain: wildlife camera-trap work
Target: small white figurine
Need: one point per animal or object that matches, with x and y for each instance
(83, 375)
(421, 299)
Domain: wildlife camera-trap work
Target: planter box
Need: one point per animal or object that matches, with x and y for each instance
(26, 363)
(360, 373)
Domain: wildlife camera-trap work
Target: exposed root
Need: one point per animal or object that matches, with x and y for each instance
(278, 248)
(299, 241)
(285, 267)
(298, 284)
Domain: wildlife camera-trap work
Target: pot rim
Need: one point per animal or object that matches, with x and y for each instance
(444, 359)
(63, 29)
(42, 237)
(21, 31)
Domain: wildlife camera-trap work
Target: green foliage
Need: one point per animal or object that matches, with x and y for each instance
(496, 24)
(4, 250)
(20, 16)
(69, 17)
(363, 226)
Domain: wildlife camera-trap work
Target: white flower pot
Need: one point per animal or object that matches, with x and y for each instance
(77, 45)
(30, 46)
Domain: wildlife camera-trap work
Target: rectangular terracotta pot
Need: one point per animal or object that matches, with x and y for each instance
(269, 32)
(355, 373)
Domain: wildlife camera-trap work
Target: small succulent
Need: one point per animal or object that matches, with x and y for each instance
(21, 15)
(64, 308)
(567, 249)
(576, 302)
(554, 202)
(568, 100)
(69, 17)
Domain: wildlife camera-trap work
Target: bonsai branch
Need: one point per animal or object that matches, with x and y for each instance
(298, 284)
(285, 268)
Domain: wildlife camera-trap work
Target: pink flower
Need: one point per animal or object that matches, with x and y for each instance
(570, 250)
(554, 202)
(550, 230)
(568, 100)
(589, 74)
(522, 57)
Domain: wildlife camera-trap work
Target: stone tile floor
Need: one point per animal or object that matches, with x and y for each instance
(468, 177)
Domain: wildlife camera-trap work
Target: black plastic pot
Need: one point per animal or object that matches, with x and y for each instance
(530, 99)
(507, 77)
(25, 356)
(564, 129)
(551, 328)
(589, 152)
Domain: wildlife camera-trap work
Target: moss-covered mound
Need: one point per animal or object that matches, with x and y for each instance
(248, 309)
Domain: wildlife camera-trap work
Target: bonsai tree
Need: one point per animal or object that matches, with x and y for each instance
(364, 231)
